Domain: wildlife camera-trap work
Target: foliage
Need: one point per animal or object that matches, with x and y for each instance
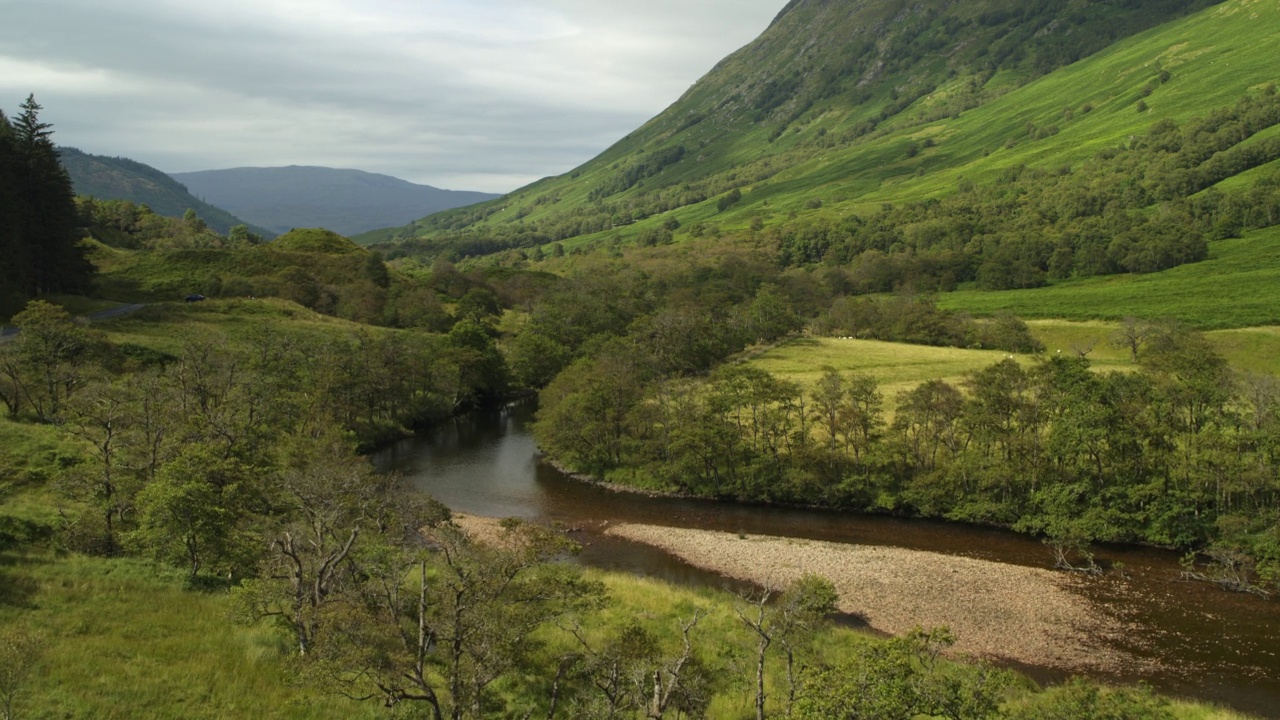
(1156, 455)
(20, 652)
(316, 240)
(39, 232)
(902, 679)
(919, 320)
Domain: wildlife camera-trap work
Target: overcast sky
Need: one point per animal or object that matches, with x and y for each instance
(461, 94)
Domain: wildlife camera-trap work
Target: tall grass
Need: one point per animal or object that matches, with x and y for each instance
(125, 639)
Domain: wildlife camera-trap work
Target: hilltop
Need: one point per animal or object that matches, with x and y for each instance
(345, 201)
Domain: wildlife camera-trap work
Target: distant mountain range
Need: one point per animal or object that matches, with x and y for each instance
(346, 201)
(117, 178)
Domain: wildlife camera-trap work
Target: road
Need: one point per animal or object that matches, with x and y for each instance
(7, 331)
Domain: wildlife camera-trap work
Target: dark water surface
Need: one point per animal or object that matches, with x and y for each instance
(1212, 645)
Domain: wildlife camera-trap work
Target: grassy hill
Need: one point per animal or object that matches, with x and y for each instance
(1234, 288)
(115, 178)
(856, 104)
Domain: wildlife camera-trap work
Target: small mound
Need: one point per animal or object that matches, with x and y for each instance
(316, 240)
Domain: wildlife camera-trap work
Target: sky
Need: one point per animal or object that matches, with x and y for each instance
(484, 95)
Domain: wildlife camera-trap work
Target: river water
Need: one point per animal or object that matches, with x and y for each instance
(1211, 645)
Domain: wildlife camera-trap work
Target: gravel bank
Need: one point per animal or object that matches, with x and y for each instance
(997, 611)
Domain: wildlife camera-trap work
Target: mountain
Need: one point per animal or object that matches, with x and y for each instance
(345, 201)
(843, 106)
(117, 178)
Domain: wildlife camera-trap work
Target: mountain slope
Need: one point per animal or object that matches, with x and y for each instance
(117, 178)
(841, 106)
(345, 201)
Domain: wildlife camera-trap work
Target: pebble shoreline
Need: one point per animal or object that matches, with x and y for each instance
(995, 610)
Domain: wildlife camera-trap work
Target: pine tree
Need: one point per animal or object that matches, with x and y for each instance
(48, 227)
(14, 262)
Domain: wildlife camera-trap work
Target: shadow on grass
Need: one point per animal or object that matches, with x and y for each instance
(17, 589)
(208, 584)
(801, 341)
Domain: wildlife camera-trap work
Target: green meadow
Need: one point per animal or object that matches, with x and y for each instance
(897, 366)
(1234, 288)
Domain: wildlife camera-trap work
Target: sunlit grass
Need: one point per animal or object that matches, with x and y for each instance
(125, 639)
(166, 326)
(897, 366)
(1234, 288)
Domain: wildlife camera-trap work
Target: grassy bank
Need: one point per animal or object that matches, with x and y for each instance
(126, 639)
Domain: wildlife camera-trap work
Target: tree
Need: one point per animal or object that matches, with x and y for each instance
(101, 415)
(241, 236)
(46, 362)
(484, 372)
(330, 496)
(900, 679)
(196, 512)
(584, 414)
(1132, 335)
(49, 222)
(728, 200)
(791, 622)
(440, 625)
(618, 669)
(194, 222)
(927, 420)
(15, 269)
(770, 316)
(20, 651)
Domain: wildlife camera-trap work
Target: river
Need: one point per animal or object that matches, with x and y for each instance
(1213, 645)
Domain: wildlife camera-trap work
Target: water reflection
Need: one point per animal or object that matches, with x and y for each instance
(1215, 645)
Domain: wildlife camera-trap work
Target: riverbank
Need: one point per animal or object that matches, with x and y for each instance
(996, 611)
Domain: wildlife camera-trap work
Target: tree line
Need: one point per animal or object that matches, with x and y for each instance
(1179, 452)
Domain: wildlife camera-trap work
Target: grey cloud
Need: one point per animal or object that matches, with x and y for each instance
(479, 94)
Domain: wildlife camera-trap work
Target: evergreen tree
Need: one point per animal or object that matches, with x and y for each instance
(48, 253)
(13, 269)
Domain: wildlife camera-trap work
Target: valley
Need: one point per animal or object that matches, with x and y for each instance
(920, 360)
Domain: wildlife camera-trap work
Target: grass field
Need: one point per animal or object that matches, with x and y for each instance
(165, 326)
(1234, 288)
(900, 367)
(897, 366)
(124, 639)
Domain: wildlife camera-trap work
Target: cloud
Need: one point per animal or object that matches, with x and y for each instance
(465, 94)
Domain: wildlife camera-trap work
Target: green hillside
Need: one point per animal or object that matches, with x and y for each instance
(116, 178)
(1234, 288)
(813, 129)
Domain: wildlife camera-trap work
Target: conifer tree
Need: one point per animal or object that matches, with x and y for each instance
(12, 249)
(38, 209)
